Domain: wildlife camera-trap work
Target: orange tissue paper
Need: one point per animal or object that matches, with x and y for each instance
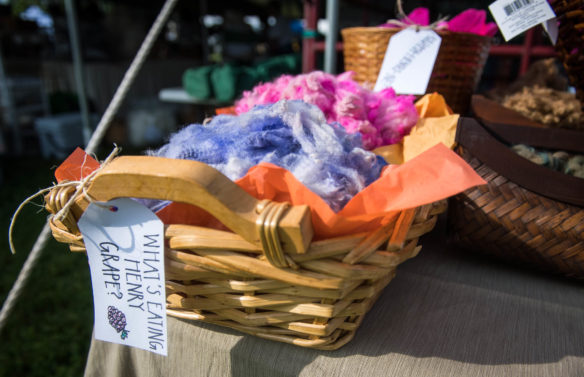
(435, 174)
(437, 124)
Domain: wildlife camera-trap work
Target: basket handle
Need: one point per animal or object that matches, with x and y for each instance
(263, 223)
(471, 135)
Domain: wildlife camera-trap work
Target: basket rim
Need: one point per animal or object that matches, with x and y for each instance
(378, 29)
(537, 179)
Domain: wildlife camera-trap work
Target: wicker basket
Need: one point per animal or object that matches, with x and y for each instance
(268, 278)
(456, 73)
(570, 44)
(526, 214)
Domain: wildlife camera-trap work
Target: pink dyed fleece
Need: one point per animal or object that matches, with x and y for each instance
(469, 21)
(382, 118)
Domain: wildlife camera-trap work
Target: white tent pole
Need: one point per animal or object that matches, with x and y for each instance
(78, 68)
(330, 47)
(130, 75)
(7, 107)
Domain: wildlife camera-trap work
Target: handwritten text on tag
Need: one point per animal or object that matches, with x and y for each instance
(409, 61)
(125, 248)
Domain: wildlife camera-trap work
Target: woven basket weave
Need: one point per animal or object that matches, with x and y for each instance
(509, 217)
(570, 44)
(317, 299)
(456, 73)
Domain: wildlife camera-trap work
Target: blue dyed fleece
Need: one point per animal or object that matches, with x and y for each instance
(291, 134)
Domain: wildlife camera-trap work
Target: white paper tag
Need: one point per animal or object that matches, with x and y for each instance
(552, 30)
(516, 16)
(125, 247)
(409, 61)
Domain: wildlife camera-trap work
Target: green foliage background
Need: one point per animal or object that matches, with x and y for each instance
(49, 330)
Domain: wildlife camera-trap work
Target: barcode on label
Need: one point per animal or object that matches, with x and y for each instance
(515, 6)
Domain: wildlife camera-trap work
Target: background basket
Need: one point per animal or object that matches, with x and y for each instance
(308, 293)
(456, 73)
(570, 44)
(526, 214)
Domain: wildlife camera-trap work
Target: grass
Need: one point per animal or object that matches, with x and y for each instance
(49, 331)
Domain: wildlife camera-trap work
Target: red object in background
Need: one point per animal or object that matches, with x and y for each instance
(527, 51)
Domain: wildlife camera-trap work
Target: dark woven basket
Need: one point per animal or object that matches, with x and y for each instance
(570, 44)
(526, 214)
(456, 73)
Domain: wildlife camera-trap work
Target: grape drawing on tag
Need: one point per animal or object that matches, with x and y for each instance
(118, 320)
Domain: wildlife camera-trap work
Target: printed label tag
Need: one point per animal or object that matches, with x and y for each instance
(409, 61)
(125, 247)
(516, 16)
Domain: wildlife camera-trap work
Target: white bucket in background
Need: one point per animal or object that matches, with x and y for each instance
(60, 134)
(150, 126)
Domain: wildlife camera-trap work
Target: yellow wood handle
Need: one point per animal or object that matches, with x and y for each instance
(198, 184)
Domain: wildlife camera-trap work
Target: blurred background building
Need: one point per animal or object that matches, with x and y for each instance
(37, 72)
